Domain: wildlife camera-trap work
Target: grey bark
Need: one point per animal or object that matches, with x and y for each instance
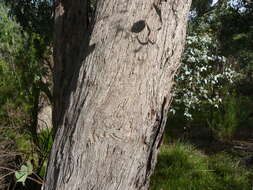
(116, 108)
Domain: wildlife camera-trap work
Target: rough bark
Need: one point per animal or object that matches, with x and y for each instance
(70, 40)
(110, 132)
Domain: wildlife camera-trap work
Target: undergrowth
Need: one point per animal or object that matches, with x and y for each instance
(182, 167)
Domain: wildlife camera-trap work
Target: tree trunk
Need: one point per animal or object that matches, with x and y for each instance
(70, 39)
(111, 127)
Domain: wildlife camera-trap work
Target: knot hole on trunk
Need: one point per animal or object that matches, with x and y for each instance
(138, 26)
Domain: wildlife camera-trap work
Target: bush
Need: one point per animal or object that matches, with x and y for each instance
(24, 79)
(225, 121)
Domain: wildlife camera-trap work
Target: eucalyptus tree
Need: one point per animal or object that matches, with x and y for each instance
(112, 90)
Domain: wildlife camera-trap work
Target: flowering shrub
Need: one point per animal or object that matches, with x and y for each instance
(203, 76)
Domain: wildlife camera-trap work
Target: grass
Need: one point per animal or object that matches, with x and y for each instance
(182, 167)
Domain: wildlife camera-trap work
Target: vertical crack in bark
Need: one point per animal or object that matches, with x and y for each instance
(158, 11)
(156, 140)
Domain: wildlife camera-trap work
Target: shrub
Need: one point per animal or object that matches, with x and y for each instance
(225, 121)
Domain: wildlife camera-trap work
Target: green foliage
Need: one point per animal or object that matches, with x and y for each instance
(11, 38)
(229, 174)
(245, 118)
(203, 76)
(45, 144)
(224, 121)
(22, 62)
(218, 57)
(24, 172)
(182, 167)
(235, 33)
(201, 6)
(11, 41)
(20, 65)
(23, 78)
(45, 141)
(35, 16)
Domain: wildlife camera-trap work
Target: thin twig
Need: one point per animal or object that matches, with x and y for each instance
(2, 177)
(9, 169)
(42, 181)
(37, 181)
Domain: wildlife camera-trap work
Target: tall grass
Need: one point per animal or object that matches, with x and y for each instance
(182, 167)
